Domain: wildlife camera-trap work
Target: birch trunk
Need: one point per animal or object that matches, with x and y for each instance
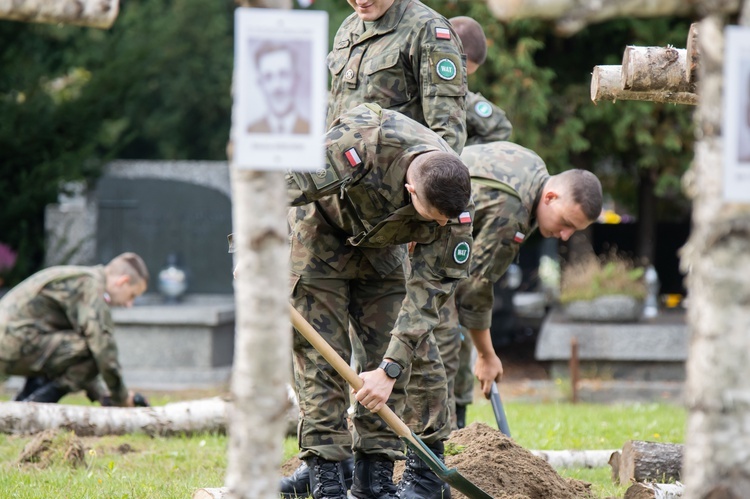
(655, 491)
(92, 13)
(263, 342)
(178, 418)
(606, 85)
(575, 458)
(650, 461)
(717, 258)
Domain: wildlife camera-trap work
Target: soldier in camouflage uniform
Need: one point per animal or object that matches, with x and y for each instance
(388, 181)
(404, 56)
(56, 327)
(485, 122)
(514, 195)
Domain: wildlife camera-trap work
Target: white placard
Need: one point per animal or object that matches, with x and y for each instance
(280, 89)
(737, 114)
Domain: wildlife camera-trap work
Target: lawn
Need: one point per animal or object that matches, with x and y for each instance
(137, 466)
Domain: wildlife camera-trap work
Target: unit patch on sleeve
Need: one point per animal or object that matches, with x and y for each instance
(461, 253)
(443, 33)
(446, 69)
(352, 156)
(483, 109)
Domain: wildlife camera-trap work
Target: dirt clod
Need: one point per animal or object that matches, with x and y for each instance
(53, 446)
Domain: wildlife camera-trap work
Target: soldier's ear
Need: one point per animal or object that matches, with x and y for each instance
(410, 188)
(123, 279)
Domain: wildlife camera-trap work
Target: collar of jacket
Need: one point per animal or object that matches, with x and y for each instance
(388, 22)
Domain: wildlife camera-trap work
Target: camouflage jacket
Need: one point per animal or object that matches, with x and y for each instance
(370, 211)
(485, 122)
(410, 61)
(506, 183)
(67, 298)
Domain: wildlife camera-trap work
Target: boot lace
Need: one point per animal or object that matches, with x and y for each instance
(329, 480)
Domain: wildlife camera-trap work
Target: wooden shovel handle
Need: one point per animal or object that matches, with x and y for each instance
(343, 368)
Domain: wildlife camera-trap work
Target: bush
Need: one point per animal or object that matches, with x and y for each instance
(594, 277)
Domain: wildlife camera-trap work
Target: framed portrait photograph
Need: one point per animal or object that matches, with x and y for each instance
(736, 115)
(279, 89)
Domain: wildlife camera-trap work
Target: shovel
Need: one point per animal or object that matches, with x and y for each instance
(497, 408)
(450, 476)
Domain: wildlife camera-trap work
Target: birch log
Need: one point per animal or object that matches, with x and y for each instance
(647, 69)
(692, 54)
(178, 418)
(654, 491)
(573, 15)
(91, 13)
(650, 461)
(606, 86)
(209, 493)
(575, 458)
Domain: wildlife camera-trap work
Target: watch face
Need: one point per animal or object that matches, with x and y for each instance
(393, 370)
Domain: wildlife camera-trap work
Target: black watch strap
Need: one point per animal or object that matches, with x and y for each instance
(392, 370)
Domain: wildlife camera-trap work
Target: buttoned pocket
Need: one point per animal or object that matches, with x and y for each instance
(385, 80)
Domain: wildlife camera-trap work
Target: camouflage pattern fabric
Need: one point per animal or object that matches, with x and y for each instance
(485, 122)
(348, 252)
(410, 60)
(56, 323)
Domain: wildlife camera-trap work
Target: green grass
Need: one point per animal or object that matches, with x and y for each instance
(175, 467)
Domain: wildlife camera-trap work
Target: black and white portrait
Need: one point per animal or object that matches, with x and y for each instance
(282, 77)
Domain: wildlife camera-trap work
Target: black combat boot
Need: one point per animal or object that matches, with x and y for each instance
(373, 477)
(32, 383)
(419, 481)
(460, 416)
(298, 484)
(51, 393)
(326, 479)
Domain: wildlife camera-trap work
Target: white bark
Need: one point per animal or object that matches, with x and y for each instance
(575, 458)
(573, 15)
(92, 13)
(177, 418)
(655, 68)
(717, 255)
(692, 57)
(215, 493)
(606, 85)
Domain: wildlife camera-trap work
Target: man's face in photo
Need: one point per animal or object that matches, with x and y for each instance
(276, 79)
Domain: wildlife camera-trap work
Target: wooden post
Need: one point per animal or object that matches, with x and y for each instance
(650, 461)
(573, 368)
(692, 54)
(606, 85)
(655, 68)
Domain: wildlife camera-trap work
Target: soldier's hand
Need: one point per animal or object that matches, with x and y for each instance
(139, 400)
(488, 369)
(376, 389)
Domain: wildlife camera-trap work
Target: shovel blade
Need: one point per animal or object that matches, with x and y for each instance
(451, 476)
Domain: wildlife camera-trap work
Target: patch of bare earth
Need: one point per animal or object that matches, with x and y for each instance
(52, 446)
(497, 465)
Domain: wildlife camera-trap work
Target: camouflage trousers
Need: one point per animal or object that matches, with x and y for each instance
(333, 301)
(425, 376)
(463, 388)
(63, 356)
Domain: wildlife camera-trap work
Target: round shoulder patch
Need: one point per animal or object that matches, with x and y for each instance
(461, 252)
(446, 69)
(483, 109)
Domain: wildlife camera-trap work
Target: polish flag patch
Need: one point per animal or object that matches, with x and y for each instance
(352, 156)
(464, 217)
(443, 33)
(519, 237)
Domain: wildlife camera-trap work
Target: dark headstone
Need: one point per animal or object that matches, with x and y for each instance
(160, 208)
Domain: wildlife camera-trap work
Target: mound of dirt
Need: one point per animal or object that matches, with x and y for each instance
(497, 465)
(504, 469)
(52, 446)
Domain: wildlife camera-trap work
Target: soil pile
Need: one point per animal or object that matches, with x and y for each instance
(52, 446)
(497, 465)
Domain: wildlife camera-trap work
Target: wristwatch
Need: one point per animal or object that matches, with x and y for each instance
(392, 370)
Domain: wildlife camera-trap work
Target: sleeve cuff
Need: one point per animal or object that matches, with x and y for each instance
(474, 319)
(400, 352)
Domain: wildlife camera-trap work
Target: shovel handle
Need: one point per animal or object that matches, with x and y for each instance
(345, 370)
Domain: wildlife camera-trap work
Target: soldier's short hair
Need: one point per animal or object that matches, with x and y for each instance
(585, 190)
(445, 183)
(472, 38)
(129, 264)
